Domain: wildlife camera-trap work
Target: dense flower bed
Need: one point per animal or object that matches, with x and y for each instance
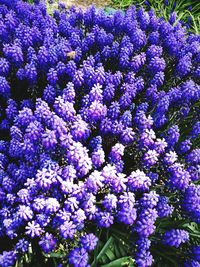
(100, 129)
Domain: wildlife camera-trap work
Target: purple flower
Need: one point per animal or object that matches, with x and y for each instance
(170, 157)
(151, 157)
(8, 258)
(30, 73)
(175, 237)
(4, 87)
(22, 245)
(156, 64)
(89, 241)
(51, 205)
(71, 204)
(196, 252)
(117, 152)
(39, 204)
(69, 92)
(138, 38)
(149, 200)
(4, 67)
(126, 200)
(127, 215)
(64, 109)
(147, 139)
(46, 177)
(25, 213)
(185, 146)
(194, 156)
(96, 111)
(78, 257)
(49, 94)
(95, 181)
(47, 243)
(145, 223)
(68, 229)
(163, 208)
(144, 258)
(195, 130)
(110, 202)
(127, 136)
(138, 180)
(25, 117)
(191, 202)
(79, 217)
(80, 130)
(184, 65)
(179, 177)
(172, 135)
(104, 219)
(98, 158)
(96, 93)
(33, 229)
(191, 263)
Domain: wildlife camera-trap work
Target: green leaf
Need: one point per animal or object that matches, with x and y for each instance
(111, 256)
(117, 251)
(105, 248)
(196, 235)
(55, 255)
(104, 259)
(122, 250)
(103, 251)
(125, 261)
(193, 227)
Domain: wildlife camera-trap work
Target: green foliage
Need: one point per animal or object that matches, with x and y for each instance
(113, 250)
(113, 253)
(187, 11)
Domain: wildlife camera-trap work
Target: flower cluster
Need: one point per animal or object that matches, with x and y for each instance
(100, 128)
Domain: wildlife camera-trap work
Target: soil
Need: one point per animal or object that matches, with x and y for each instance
(85, 3)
